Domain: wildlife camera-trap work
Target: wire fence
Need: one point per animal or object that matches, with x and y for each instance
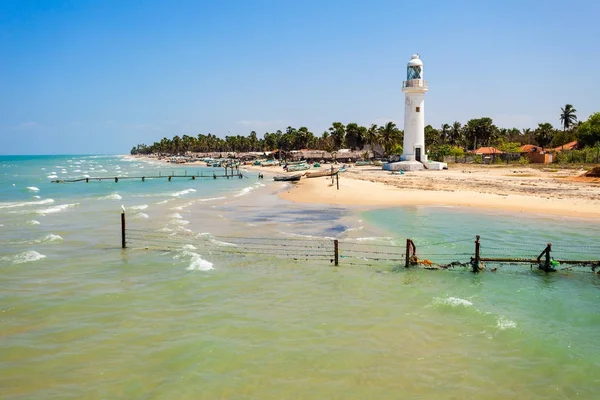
(473, 253)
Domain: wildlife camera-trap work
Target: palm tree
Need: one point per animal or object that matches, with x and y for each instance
(373, 135)
(338, 133)
(445, 132)
(388, 135)
(568, 117)
(455, 133)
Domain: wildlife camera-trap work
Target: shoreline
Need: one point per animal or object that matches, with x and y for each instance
(512, 188)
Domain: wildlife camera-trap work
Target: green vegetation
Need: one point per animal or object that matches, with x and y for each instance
(450, 140)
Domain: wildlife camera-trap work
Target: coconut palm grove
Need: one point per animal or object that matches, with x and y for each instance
(454, 139)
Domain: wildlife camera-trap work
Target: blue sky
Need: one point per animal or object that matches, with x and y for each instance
(101, 76)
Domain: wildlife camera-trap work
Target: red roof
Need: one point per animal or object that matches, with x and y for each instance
(488, 150)
(531, 148)
(567, 146)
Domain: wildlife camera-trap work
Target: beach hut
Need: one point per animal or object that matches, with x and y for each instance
(488, 154)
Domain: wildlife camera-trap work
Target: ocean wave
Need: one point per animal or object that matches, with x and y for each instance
(53, 176)
(26, 256)
(358, 228)
(196, 262)
(504, 323)
(112, 196)
(221, 243)
(244, 191)
(212, 198)
(182, 229)
(182, 206)
(140, 207)
(180, 222)
(36, 197)
(182, 192)
(373, 239)
(55, 209)
(452, 302)
(33, 189)
(162, 202)
(141, 216)
(301, 236)
(175, 215)
(32, 222)
(25, 203)
(51, 238)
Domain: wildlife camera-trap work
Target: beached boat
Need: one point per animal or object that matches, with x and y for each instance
(298, 167)
(287, 178)
(318, 174)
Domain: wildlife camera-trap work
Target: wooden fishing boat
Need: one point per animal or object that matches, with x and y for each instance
(318, 174)
(287, 178)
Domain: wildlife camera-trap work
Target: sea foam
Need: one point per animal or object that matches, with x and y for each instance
(182, 192)
(26, 256)
(196, 262)
(504, 323)
(33, 189)
(55, 209)
(244, 191)
(452, 302)
(112, 196)
(25, 203)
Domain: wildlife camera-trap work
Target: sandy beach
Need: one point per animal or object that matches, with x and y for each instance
(511, 188)
(523, 189)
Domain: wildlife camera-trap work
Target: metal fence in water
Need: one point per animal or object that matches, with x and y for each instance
(473, 253)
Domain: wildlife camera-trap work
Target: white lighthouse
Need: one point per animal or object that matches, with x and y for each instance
(414, 88)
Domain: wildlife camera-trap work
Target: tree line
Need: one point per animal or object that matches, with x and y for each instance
(448, 139)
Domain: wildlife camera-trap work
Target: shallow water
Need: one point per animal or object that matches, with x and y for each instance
(81, 318)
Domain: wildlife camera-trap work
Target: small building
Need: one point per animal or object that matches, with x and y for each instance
(488, 154)
(536, 154)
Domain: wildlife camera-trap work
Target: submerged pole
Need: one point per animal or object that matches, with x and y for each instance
(335, 252)
(407, 255)
(123, 243)
(477, 258)
(337, 179)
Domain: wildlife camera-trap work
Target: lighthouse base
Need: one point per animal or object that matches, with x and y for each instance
(403, 166)
(414, 166)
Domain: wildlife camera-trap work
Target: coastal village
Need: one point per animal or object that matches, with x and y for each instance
(508, 170)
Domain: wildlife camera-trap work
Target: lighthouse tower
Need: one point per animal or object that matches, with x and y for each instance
(414, 88)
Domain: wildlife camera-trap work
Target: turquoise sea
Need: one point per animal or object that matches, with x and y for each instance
(180, 314)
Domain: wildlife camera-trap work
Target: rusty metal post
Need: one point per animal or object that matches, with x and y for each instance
(337, 179)
(407, 256)
(336, 252)
(123, 243)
